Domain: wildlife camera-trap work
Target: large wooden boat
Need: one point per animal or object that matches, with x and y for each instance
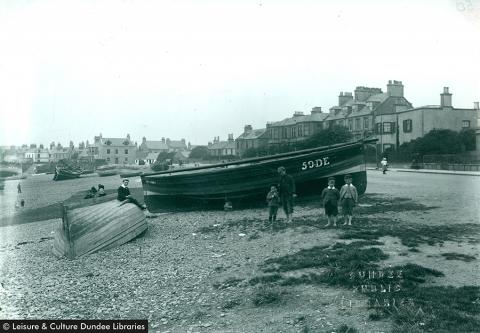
(63, 173)
(90, 225)
(252, 178)
(107, 170)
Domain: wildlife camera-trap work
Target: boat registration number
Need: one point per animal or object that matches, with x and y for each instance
(320, 162)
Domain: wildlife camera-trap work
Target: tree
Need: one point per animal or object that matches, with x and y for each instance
(332, 135)
(164, 156)
(467, 139)
(199, 152)
(438, 141)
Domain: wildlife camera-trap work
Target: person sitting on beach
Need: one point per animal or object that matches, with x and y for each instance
(124, 195)
(91, 193)
(348, 199)
(330, 197)
(101, 190)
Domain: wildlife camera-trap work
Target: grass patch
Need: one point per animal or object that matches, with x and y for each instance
(346, 329)
(230, 282)
(458, 256)
(267, 295)
(414, 235)
(230, 304)
(265, 279)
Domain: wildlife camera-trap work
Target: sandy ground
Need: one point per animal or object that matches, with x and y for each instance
(184, 279)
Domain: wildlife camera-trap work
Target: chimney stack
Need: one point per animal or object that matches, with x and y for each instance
(230, 137)
(476, 106)
(316, 109)
(163, 140)
(446, 98)
(395, 88)
(247, 128)
(298, 113)
(344, 98)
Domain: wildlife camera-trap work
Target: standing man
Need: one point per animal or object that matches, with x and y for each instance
(19, 188)
(286, 188)
(124, 195)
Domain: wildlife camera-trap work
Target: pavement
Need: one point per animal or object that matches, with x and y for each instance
(446, 172)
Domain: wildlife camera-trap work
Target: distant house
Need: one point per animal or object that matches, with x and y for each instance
(416, 122)
(251, 138)
(176, 145)
(154, 146)
(297, 128)
(151, 158)
(38, 155)
(141, 156)
(222, 149)
(113, 150)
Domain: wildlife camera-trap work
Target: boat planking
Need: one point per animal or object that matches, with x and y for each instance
(99, 223)
(64, 173)
(250, 179)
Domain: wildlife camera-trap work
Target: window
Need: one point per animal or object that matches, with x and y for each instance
(126, 159)
(341, 123)
(388, 146)
(407, 125)
(350, 124)
(300, 130)
(378, 128)
(126, 151)
(465, 123)
(358, 124)
(366, 123)
(388, 127)
(306, 129)
(116, 151)
(108, 151)
(108, 159)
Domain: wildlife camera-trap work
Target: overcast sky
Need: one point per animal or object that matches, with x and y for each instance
(196, 69)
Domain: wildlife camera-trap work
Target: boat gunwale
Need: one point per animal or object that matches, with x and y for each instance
(266, 159)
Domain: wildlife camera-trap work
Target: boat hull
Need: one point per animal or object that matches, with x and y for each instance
(96, 224)
(252, 180)
(64, 174)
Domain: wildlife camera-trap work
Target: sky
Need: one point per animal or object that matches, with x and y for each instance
(197, 69)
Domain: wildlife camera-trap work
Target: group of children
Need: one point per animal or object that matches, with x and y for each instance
(93, 192)
(347, 198)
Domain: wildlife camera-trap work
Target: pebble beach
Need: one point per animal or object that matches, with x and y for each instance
(191, 271)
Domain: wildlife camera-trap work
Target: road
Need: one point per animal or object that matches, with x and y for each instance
(456, 196)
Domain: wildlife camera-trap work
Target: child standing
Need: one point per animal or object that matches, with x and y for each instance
(330, 197)
(348, 199)
(273, 199)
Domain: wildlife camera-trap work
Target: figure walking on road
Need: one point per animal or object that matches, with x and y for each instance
(287, 189)
(19, 188)
(384, 165)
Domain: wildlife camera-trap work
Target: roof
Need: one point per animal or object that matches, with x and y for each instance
(435, 107)
(388, 106)
(318, 116)
(342, 114)
(177, 144)
(117, 142)
(157, 145)
(365, 111)
(141, 155)
(253, 134)
(223, 145)
(378, 98)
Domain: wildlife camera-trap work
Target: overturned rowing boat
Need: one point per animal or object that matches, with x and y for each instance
(251, 178)
(90, 225)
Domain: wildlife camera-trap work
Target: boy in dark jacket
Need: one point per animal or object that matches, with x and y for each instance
(330, 197)
(123, 195)
(273, 199)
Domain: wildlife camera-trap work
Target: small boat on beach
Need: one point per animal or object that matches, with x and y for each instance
(251, 178)
(63, 173)
(99, 223)
(107, 170)
(130, 173)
